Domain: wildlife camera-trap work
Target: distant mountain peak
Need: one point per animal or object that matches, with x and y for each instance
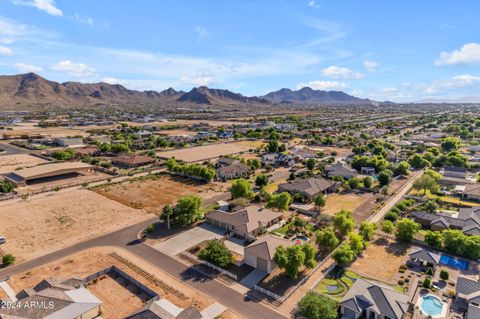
(307, 95)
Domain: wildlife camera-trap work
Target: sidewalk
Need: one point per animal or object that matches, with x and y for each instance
(9, 291)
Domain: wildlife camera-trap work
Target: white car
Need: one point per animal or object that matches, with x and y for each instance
(3, 240)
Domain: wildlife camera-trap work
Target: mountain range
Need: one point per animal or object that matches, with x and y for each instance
(32, 89)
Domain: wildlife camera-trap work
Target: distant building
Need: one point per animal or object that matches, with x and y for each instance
(132, 160)
(340, 169)
(466, 220)
(235, 170)
(309, 187)
(455, 172)
(164, 309)
(70, 142)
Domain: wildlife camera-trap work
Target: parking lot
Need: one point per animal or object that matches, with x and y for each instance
(189, 238)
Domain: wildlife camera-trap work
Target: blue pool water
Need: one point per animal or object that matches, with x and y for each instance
(431, 305)
(454, 262)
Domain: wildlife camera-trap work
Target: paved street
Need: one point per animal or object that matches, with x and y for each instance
(216, 290)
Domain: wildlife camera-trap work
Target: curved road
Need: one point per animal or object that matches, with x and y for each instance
(216, 290)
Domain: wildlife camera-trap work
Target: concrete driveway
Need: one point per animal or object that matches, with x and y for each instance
(189, 238)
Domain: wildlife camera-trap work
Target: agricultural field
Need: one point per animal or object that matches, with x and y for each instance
(202, 153)
(9, 163)
(44, 224)
(360, 205)
(153, 192)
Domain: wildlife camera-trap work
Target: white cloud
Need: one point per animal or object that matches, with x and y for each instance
(25, 68)
(5, 50)
(201, 32)
(47, 6)
(75, 69)
(83, 19)
(468, 54)
(198, 80)
(456, 82)
(313, 4)
(6, 40)
(341, 73)
(323, 85)
(371, 66)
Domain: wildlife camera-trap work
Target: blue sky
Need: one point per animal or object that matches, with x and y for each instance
(401, 51)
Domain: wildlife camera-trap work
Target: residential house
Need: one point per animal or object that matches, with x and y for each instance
(132, 160)
(302, 153)
(471, 192)
(225, 135)
(276, 159)
(260, 253)
(456, 172)
(371, 300)
(309, 188)
(164, 309)
(246, 223)
(66, 299)
(367, 170)
(467, 297)
(143, 134)
(340, 169)
(70, 142)
(235, 170)
(466, 220)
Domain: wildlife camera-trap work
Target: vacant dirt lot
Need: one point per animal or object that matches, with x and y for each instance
(44, 224)
(152, 193)
(381, 260)
(341, 152)
(93, 260)
(202, 153)
(359, 205)
(9, 163)
(117, 301)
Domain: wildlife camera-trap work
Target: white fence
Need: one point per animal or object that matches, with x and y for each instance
(219, 269)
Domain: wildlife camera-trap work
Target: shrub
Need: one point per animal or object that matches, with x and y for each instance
(8, 259)
(217, 254)
(444, 275)
(427, 283)
(430, 271)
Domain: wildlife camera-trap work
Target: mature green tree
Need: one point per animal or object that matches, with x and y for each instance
(279, 201)
(431, 206)
(185, 212)
(367, 182)
(433, 238)
(8, 259)
(310, 163)
(450, 143)
(444, 275)
(472, 247)
(407, 229)
(388, 227)
(241, 188)
(273, 146)
(326, 239)
(356, 242)
(367, 230)
(385, 177)
(290, 259)
(316, 306)
(418, 161)
(402, 168)
(354, 183)
(310, 251)
(454, 241)
(344, 255)
(343, 222)
(320, 201)
(216, 253)
(261, 180)
(424, 183)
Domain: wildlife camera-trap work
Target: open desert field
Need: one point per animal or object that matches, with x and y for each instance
(202, 153)
(359, 205)
(9, 163)
(341, 152)
(152, 193)
(381, 259)
(214, 123)
(44, 224)
(90, 261)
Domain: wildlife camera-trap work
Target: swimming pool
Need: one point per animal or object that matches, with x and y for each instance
(454, 262)
(431, 305)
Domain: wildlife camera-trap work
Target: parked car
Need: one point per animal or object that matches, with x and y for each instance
(3, 240)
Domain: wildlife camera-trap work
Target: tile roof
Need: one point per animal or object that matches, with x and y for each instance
(382, 299)
(426, 256)
(311, 186)
(266, 246)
